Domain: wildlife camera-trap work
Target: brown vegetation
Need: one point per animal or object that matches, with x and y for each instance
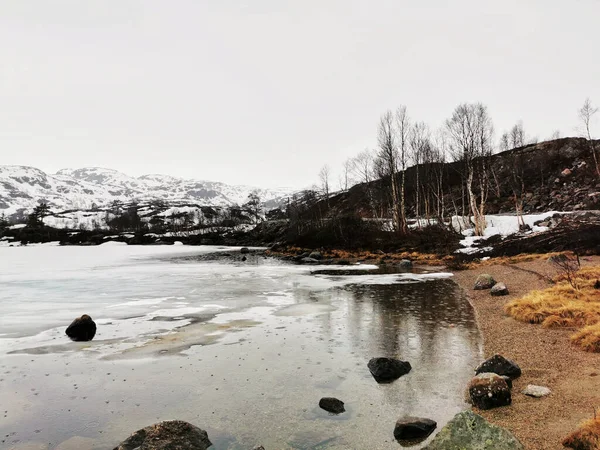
(586, 437)
(573, 302)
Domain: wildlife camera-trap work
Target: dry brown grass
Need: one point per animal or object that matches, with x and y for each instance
(564, 306)
(586, 437)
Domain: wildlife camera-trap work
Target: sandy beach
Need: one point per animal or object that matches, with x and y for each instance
(546, 357)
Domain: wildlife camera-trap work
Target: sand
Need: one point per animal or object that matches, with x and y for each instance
(546, 357)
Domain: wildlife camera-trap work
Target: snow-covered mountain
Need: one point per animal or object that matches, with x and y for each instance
(22, 188)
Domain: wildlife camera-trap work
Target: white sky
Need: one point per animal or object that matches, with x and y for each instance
(264, 92)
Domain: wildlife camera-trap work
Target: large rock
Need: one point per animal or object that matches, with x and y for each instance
(168, 435)
(82, 329)
(499, 289)
(470, 431)
(386, 370)
(332, 405)
(498, 364)
(413, 428)
(484, 281)
(488, 390)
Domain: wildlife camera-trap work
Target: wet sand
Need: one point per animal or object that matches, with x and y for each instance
(546, 357)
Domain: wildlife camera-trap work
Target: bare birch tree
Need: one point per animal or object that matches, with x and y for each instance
(388, 157)
(470, 132)
(586, 115)
(403, 130)
(420, 144)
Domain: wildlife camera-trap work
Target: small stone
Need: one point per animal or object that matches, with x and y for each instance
(484, 281)
(244, 250)
(413, 428)
(406, 264)
(499, 289)
(536, 391)
(566, 172)
(332, 405)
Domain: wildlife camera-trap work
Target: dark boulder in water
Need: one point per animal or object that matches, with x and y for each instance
(413, 428)
(332, 405)
(82, 329)
(386, 370)
(171, 434)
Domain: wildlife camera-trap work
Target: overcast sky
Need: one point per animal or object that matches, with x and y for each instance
(264, 92)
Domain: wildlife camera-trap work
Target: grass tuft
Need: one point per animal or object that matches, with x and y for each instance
(586, 437)
(563, 306)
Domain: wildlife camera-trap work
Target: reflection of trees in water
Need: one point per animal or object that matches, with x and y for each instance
(430, 324)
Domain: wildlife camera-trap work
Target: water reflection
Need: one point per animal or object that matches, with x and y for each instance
(261, 384)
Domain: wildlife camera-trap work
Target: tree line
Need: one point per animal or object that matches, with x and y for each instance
(466, 138)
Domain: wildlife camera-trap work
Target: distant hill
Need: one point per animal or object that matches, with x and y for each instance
(22, 188)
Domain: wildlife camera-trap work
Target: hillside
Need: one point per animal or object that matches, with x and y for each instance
(22, 188)
(553, 175)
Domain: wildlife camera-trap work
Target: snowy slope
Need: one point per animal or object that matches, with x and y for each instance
(22, 188)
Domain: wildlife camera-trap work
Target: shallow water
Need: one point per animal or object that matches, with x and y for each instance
(244, 350)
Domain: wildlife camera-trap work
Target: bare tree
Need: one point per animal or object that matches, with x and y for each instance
(586, 115)
(362, 171)
(420, 144)
(345, 177)
(470, 132)
(514, 138)
(403, 130)
(324, 174)
(388, 158)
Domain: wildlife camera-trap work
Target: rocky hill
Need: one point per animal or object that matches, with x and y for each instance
(557, 175)
(22, 188)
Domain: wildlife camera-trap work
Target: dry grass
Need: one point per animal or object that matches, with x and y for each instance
(586, 437)
(564, 306)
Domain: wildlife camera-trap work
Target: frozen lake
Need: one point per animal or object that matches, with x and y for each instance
(244, 350)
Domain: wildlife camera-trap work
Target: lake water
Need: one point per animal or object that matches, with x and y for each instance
(244, 350)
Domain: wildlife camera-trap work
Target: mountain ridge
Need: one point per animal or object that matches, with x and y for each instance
(24, 187)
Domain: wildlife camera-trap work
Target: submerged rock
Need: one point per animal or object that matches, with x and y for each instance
(484, 281)
(386, 370)
(468, 430)
(172, 434)
(413, 428)
(536, 391)
(332, 405)
(499, 289)
(488, 390)
(82, 329)
(498, 364)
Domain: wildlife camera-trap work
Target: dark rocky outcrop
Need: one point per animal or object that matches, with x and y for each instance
(168, 435)
(499, 365)
(386, 370)
(332, 405)
(488, 390)
(82, 329)
(468, 430)
(413, 428)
